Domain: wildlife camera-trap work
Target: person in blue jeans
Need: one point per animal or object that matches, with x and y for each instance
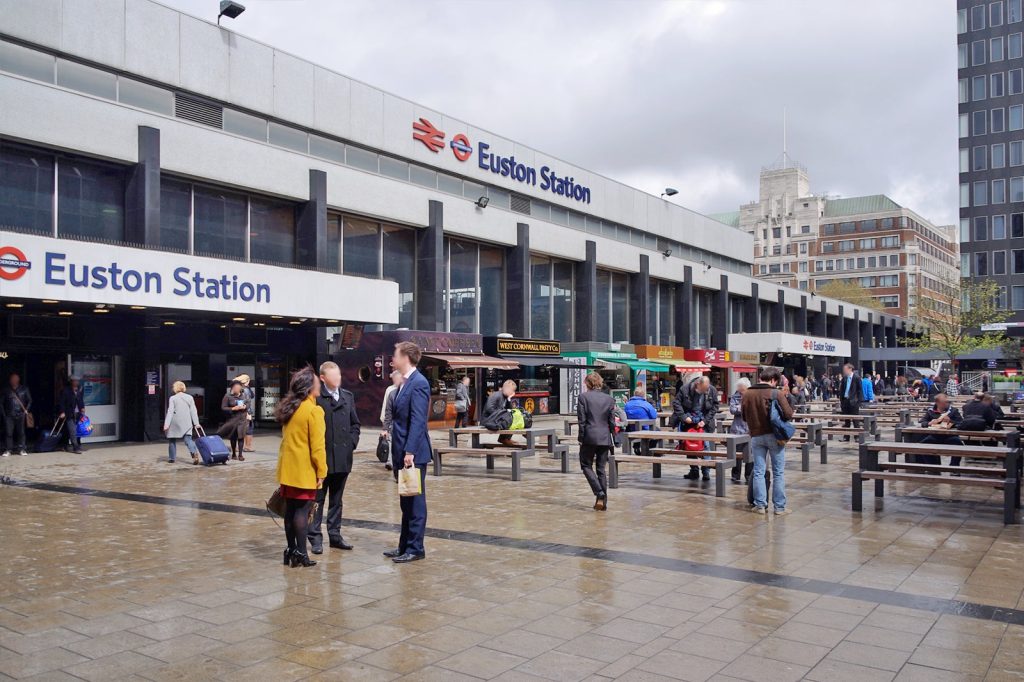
(754, 408)
(637, 407)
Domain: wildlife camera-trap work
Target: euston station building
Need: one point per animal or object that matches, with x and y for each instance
(178, 201)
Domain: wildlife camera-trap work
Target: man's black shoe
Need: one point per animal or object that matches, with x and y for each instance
(407, 558)
(693, 475)
(317, 549)
(705, 474)
(392, 553)
(339, 543)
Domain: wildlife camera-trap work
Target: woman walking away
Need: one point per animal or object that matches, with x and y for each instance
(302, 459)
(462, 402)
(180, 420)
(596, 413)
(236, 409)
(250, 414)
(740, 427)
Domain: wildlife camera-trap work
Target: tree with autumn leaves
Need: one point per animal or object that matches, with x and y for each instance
(953, 325)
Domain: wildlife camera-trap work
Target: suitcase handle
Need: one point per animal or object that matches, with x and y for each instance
(57, 425)
(199, 429)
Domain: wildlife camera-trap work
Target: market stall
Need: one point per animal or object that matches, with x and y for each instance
(540, 367)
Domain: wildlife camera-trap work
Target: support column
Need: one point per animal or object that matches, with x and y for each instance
(311, 227)
(586, 295)
(821, 329)
(142, 193)
(752, 311)
(684, 309)
(720, 318)
(801, 317)
(430, 275)
(517, 284)
(838, 328)
(853, 336)
(778, 321)
(639, 299)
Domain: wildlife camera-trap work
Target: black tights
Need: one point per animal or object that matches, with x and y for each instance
(296, 523)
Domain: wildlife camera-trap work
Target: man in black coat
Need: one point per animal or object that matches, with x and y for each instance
(940, 416)
(497, 402)
(71, 408)
(342, 438)
(696, 406)
(15, 408)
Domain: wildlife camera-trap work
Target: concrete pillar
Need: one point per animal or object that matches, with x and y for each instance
(720, 318)
(517, 284)
(801, 317)
(142, 193)
(778, 321)
(684, 309)
(586, 295)
(853, 336)
(838, 325)
(752, 311)
(821, 329)
(430, 275)
(639, 299)
(311, 227)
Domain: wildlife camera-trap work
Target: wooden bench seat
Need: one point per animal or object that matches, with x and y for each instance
(914, 466)
(559, 451)
(489, 453)
(697, 460)
(860, 434)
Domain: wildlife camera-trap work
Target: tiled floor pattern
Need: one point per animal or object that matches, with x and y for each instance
(96, 587)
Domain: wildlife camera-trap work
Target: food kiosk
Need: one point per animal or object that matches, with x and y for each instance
(540, 366)
(723, 368)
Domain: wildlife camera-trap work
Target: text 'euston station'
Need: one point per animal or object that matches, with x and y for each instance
(186, 281)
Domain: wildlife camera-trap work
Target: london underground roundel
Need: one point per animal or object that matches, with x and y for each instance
(13, 264)
(461, 147)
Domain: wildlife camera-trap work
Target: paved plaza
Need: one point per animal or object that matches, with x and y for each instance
(117, 565)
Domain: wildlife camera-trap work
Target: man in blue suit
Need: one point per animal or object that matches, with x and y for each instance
(410, 447)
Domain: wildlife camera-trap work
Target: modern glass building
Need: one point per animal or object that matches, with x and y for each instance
(990, 60)
(180, 201)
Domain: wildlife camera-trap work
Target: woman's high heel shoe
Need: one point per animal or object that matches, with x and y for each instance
(301, 560)
(288, 556)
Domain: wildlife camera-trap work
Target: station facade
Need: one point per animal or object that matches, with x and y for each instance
(178, 201)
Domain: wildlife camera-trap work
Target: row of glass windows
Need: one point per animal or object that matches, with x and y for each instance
(872, 282)
(902, 222)
(992, 86)
(982, 157)
(859, 263)
(977, 193)
(992, 11)
(90, 196)
(44, 67)
(993, 50)
(991, 227)
(551, 298)
(995, 121)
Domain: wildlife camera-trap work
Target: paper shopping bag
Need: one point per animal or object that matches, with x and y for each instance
(409, 484)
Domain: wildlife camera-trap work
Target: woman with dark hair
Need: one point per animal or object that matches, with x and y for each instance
(235, 405)
(302, 459)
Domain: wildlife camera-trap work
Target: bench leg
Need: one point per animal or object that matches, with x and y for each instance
(824, 452)
(805, 456)
(879, 488)
(657, 470)
(613, 473)
(719, 479)
(1010, 501)
(453, 440)
(490, 462)
(565, 460)
(437, 463)
(858, 492)
(516, 472)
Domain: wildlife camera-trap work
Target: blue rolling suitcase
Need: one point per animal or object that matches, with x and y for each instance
(49, 442)
(212, 449)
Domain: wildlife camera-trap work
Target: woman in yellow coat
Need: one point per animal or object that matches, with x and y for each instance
(302, 459)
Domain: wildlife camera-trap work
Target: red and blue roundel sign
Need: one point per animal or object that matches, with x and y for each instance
(461, 147)
(13, 264)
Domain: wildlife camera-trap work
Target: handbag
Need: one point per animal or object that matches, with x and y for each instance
(409, 483)
(277, 501)
(461, 405)
(84, 426)
(383, 449)
(30, 421)
(782, 429)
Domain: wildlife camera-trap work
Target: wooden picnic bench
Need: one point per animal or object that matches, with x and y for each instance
(1005, 478)
(489, 453)
(555, 448)
(1009, 437)
(656, 457)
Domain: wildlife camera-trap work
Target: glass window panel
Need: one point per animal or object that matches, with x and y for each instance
(25, 62)
(604, 306)
(271, 231)
(361, 248)
(540, 297)
(999, 191)
(981, 228)
(219, 222)
(462, 286)
(998, 120)
(998, 262)
(332, 150)
(175, 211)
(499, 197)
(651, 333)
(978, 88)
(562, 296)
(449, 184)
(981, 264)
(978, 18)
(86, 79)
(609, 229)
(998, 155)
(559, 215)
(961, 21)
(26, 190)
(400, 266)
(965, 195)
(1017, 117)
(980, 194)
(145, 96)
(245, 125)
(473, 191)
(1017, 153)
(961, 57)
(996, 85)
(620, 307)
(1017, 225)
(995, 13)
(965, 125)
(289, 138)
(1015, 46)
(1013, 11)
(1018, 297)
(424, 177)
(978, 53)
(1018, 261)
(333, 243)
(360, 158)
(1016, 189)
(999, 227)
(980, 158)
(492, 290)
(995, 52)
(393, 168)
(90, 200)
(1016, 77)
(577, 221)
(980, 122)
(666, 314)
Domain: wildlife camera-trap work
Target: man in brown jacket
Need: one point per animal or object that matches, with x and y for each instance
(755, 410)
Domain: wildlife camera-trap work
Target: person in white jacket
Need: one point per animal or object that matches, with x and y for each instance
(180, 420)
(386, 406)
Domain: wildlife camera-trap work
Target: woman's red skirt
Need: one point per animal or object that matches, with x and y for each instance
(297, 493)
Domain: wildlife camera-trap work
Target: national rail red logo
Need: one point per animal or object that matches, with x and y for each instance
(428, 134)
(13, 264)
(808, 344)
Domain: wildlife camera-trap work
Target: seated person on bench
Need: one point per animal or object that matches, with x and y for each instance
(980, 414)
(637, 407)
(940, 417)
(499, 401)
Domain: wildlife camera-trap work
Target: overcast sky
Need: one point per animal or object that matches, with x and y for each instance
(688, 94)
